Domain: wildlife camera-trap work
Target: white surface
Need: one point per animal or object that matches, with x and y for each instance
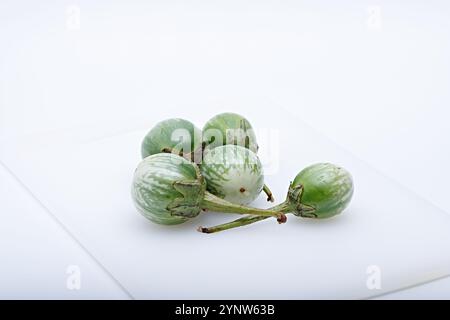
(435, 290)
(86, 185)
(39, 270)
(38, 255)
(378, 87)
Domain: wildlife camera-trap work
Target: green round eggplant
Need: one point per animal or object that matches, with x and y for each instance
(321, 191)
(233, 173)
(229, 128)
(172, 135)
(153, 188)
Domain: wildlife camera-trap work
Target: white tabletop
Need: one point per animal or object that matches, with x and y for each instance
(43, 257)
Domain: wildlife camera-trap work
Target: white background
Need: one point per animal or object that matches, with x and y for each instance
(372, 76)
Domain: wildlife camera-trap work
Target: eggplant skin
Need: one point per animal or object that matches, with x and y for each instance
(229, 128)
(233, 173)
(153, 186)
(168, 133)
(326, 187)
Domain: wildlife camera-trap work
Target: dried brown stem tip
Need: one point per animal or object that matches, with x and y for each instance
(282, 218)
(202, 230)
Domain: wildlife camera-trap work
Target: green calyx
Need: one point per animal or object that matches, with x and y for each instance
(294, 203)
(189, 205)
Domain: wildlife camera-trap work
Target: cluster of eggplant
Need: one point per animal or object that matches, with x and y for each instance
(186, 171)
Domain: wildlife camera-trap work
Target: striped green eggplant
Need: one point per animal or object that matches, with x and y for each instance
(231, 129)
(233, 173)
(168, 189)
(172, 135)
(319, 191)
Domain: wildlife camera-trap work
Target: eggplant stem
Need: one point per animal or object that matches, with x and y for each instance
(214, 203)
(194, 156)
(268, 193)
(233, 224)
(243, 221)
